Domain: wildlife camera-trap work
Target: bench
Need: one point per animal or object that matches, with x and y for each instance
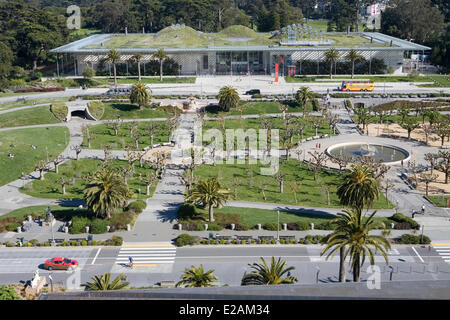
(224, 237)
(287, 237)
(244, 238)
(267, 238)
(77, 239)
(166, 283)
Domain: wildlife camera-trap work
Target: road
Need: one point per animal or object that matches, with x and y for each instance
(155, 262)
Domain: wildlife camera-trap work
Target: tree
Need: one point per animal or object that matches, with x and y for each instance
(197, 278)
(431, 158)
(104, 192)
(228, 98)
(442, 128)
(57, 161)
(62, 181)
(410, 124)
(353, 56)
(331, 55)
(404, 113)
(359, 188)
(77, 149)
(152, 130)
(303, 95)
(342, 161)
(160, 55)
(6, 59)
(352, 238)
(295, 187)
(427, 130)
(427, 178)
(316, 122)
(386, 185)
(139, 94)
(41, 166)
(443, 163)
(88, 73)
(103, 283)
(363, 116)
(113, 57)
(188, 179)
(115, 125)
(279, 177)
(149, 179)
(262, 274)
(210, 193)
(317, 160)
(137, 59)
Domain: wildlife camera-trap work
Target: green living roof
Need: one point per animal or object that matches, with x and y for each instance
(234, 36)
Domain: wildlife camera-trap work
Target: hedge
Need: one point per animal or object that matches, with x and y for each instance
(98, 226)
(59, 110)
(96, 109)
(137, 206)
(185, 239)
(186, 211)
(412, 239)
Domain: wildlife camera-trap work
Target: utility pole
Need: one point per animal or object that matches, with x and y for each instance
(278, 226)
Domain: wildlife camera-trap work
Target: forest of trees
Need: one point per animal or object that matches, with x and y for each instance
(30, 28)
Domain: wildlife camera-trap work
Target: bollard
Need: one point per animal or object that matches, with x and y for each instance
(19, 229)
(30, 219)
(206, 227)
(312, 226)
(180, 227)
(87, 229)
(259, 226)
(108, 228)
(285, 226)
(392, 226)
(66, 229)
(233, 226)
(128, 227)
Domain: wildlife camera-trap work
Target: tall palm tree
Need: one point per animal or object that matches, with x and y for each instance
(263, 274)
(353, 56)
(197, 277)
(140, 94)
(210, 193)
(354, 234)
(137, 58)
(331, 55)
(160, 55)
(303, 95)
(360, 187)
(103, 282)
(228, 98)
(113, 57)
(105, 192)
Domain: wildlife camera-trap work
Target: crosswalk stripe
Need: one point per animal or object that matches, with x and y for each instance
(147, 254)
(443, 250)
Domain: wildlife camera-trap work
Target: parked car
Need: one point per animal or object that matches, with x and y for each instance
(60, 263)
(253, 91)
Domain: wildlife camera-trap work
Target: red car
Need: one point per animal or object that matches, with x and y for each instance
(60, 263)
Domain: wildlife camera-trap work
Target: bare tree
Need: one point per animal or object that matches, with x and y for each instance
(188, 179)
(318, 160)
(77, 150)
(443, 164)
(263, 187)
(149, 179)
(132, 126)
(298, 152)
(283, 109)
(432, 159)
(386, 185)
(342, 161)
(316, 123)
(295, 187)
(279, 177)
(152, 130)
(428, 130)
(427, 178)
(41, 166)
(63, 182)
(57, 161)
(115, 125)
(136, 136)
(107, 154)
(126, 172)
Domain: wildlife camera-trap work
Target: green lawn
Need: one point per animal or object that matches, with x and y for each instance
(440, 81)
(322, 25)
(260, 107)
(245, 180)
(147, 80)
(25, 158)
(131, 111)
(104, 136)
(24, 212)
(27, 117)
(250, 217)
(440, 201)
(338, 78)
(12, 94)
(278, 123)
(76, 170)
(29, 102)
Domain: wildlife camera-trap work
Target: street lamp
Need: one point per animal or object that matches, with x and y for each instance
(49, 218)
(392, 271)
(421, 237)
(317, 274)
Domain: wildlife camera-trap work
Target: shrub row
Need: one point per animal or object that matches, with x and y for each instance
(114, 241)
(404, 223)
(38, 90)
(412, 239)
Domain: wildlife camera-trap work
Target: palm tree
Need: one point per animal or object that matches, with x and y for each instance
(103, 282)
(353, 233)
(113, 57)
(139, 94)
(265, 275)
(160, 55)
(360, 187)
(331, 55)
(353, 56)
(228, 98)
(105, 192)
(210, 193)
(303, 95)
(137, 58)
(197, 277)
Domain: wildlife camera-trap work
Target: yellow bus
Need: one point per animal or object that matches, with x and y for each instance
(357, 85)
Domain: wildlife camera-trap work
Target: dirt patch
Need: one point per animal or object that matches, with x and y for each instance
(394, 129)
(437, 188)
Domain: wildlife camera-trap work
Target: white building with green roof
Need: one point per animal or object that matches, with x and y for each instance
(238, 49)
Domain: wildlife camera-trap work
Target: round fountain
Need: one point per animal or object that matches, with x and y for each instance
(388, 154)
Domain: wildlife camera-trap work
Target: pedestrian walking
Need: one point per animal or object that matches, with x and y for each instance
(131, 261)
(402, 163)
(413, 214)
(423, 209)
